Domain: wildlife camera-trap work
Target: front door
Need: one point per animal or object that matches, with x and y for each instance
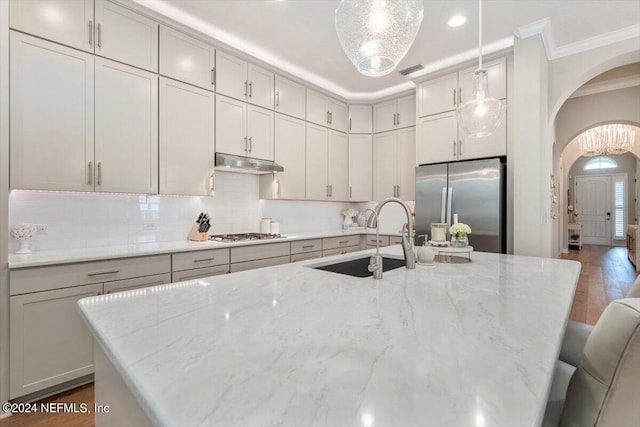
(593, 202)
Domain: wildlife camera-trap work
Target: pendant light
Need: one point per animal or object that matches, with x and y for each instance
(376, 34)
(481, 115)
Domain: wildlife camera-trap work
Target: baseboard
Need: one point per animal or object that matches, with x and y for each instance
(565, 251)
(4, 415)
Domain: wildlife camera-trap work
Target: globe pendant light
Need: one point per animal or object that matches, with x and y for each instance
(376, 34)
(481, 115)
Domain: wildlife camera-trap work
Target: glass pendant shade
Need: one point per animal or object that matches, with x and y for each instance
(607, 139)
(481, 115)
(376, 34)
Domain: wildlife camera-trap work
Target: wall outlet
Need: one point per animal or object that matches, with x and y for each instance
(149, 226)
(42, 229)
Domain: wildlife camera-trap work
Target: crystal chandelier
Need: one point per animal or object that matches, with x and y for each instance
(481, 115)
(607, 139)
(376, 34)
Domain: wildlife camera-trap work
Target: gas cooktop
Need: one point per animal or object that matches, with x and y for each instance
(241, 237)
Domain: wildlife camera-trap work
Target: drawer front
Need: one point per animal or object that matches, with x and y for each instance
(251, 265)
(200, 259)
(340, 251)
(251, 253)
(303, 246)
(37, 279)
(382, 240)
(340, 242)
(395, 240)
(138, 282)
(199, 273)
(305, 256)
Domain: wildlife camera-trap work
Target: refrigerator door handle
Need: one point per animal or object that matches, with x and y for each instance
(443, 204)
(449, 207)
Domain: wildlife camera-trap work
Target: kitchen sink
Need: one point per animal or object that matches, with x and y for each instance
(358, 267)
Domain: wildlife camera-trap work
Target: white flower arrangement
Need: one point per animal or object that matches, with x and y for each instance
(459, 229)
(349, 213)
(23, 232)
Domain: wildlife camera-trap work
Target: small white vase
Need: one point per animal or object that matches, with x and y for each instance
(24, 247)
(426, 255)
(348, 222)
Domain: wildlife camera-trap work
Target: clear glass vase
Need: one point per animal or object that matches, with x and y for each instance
(460, 242)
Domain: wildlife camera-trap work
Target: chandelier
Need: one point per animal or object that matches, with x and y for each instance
(607, 139)
(376, 34)
(481, 115)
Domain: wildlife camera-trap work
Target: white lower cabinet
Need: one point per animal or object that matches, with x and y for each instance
(258, 256)
(327, 164)
(186, 139)
(394, 162)
(199, 273)
(137, 283)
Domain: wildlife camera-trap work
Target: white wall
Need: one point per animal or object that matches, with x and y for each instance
(4, 188)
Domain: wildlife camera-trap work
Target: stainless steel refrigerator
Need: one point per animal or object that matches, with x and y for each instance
(475, 190)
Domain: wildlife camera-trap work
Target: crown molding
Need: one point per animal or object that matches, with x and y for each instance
(606, 86)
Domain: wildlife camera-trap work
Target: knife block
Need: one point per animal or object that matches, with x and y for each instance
(197, 236)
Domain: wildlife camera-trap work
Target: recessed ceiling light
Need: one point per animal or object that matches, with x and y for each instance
(457, 20)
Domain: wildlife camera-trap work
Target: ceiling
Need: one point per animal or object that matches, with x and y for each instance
(299, 37)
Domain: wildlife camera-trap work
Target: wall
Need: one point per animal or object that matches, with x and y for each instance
(4, 188)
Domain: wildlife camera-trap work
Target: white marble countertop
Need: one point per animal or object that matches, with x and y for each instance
(447, 345)
(67, 256)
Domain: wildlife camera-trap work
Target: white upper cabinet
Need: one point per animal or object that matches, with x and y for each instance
(186, 139)
(360, 167)
(186, 59)
(69, 22)
(394, 114)
(316, 160)
(52, 116)
(406, 165)
(360, 119)
(243, 129)
(338, 165)
(446, 93)
(126, 36)
(326, 111)
(394, 162)
(290, 154)
(290, 97)
(241, 80)
(126, 137)
(437, 138)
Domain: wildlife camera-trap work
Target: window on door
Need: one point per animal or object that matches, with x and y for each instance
(619, 199)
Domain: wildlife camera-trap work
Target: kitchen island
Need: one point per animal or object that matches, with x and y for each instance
(449, 344)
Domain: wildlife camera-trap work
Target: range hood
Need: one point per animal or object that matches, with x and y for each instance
(231, 163)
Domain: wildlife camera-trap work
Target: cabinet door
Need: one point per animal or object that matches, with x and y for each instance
(126, 129)
(260, 132)
(384, 116)
(186, 115)
(360, 167)
(496, 74)
(231, 76)
(437, 138)
(290, 154)
(260, 86)
(231, 128)
(317, 108)
(69, 22)
(407, 163)
(126, 36)
(438, 95)
(316, 161)
(186, 59)
(406, 112)
(360, 119)
(290, 98)
(199, 273)
(338, 166)
(384, 165)
(489, 146)
(337, 115)
(137, 283)
(51, 100)
(49, 342)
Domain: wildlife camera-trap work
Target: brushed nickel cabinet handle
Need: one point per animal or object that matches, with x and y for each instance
(103, 272)
(308, 246)
(213, 76)
(99, 38)
(250, 89)
(330, 117)
(460, 148)
(246, 144)
(454, 148)
(454, 97)
(90, 173)
(277, 98)
(350, 123)
(246, 88)
(398, 119)
(204, 259)
(250, 144)
(99, 182)
(90, 33)
(343, 242)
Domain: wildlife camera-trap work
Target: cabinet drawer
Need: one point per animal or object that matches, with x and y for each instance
(303, 246)
(340, 251)
(37, 279)
(199, 273)
(395, 240)
(305, 256)
(250, 253)
(340, 242)
(139, 282)
(382, 240)
(199, 259)
(251, 265)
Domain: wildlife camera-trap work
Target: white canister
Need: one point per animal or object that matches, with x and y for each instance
(438, 232)
(275, 227)
(265, 225)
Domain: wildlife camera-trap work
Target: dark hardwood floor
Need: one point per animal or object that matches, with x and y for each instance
(606, 275)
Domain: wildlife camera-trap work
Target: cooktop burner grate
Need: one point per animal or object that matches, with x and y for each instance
(241, 237)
